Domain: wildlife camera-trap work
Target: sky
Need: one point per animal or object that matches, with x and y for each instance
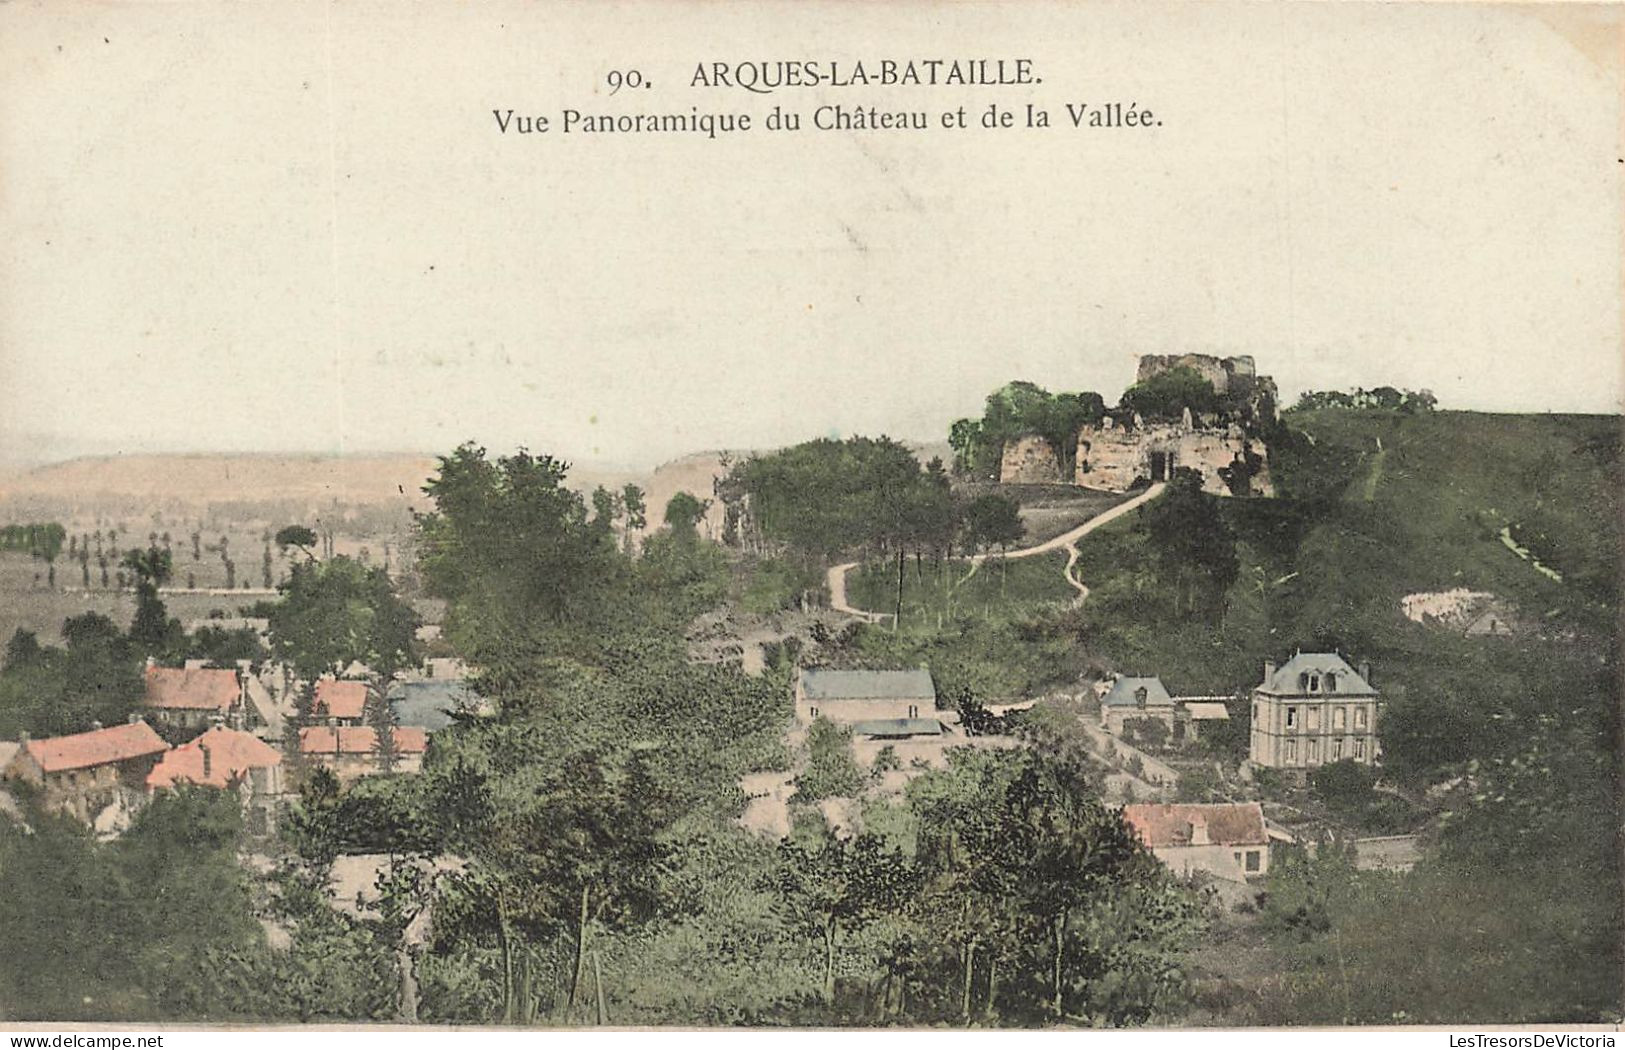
(296, 227)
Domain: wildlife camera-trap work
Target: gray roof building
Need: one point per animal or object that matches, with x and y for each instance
(818, 684)
(1316, 673)
(897, 728)
(1125, 692)
(428, 703)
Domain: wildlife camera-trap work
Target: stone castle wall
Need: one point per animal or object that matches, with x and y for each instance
(1114, 457)
(1224, 373)
(1029, 460)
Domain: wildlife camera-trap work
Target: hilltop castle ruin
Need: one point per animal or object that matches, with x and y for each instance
(1225, 446)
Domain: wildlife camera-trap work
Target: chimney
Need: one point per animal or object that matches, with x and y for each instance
(22, 739)
(135, 716)
(1365, 671)
(95, 725)
(1199, 831)
(1269, 671)
(151, 662)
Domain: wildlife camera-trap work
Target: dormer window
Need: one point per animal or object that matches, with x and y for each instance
(1331, 683)
(1314, 683)
(1139, 697)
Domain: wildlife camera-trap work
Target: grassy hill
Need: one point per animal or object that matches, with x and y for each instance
(1375, 506)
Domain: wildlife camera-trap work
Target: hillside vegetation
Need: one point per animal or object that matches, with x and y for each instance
(1518, 736)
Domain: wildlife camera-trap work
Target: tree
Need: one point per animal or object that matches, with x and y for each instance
(562, 848)
(1168, 394)
(46, 545)
(510, 548)
(49, 691)
(381, 719)
(301, 537)
(684, 511)
(838, 884)
(152, 628)
(637, 513)
(1197, 548)
(338, 611)
(991, 521)
(1017, 409)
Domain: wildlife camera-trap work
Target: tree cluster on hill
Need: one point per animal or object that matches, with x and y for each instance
(50, 691)
(41, 541)
(337, 611)
(1017, 409)
(1383, 397)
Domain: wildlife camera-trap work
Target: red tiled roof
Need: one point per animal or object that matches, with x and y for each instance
(195, 689)
(358, 740)
(232, 753)
(1228, 823)
(336, 699)
(95, 748)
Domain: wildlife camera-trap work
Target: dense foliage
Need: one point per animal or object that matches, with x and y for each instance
(1017, 409)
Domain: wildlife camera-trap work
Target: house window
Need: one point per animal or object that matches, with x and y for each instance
(1314, 717)
(1337, 749)
(812, 712)
(913, 711)
(1359, 749)
(1252, 860)
(1255, 712)
(1339, 717)
(1291, 717)
(1359, 718)
(1312, 752)
(1289, 751)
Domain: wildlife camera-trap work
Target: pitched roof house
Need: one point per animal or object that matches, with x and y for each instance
(219, 758)
(1225, 839)
(352, 751)
(342, 699)
(1312, 710)
(84, 773)
(882, 703)
(191, 697)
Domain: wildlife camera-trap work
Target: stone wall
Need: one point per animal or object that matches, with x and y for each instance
(1029, 460)
(1233, 378)
(1223, 372)
(1114, 457)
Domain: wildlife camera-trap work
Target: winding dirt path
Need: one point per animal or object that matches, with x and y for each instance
(836, 577)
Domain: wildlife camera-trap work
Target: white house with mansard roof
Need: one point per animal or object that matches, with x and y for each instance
(1313, 710)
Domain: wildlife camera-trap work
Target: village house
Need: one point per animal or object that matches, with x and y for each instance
(1129, 699)
(86, 773)
(340, 701)
(228, 759)
(1227, 840)
(889, 705)
(1313, 710)
(184, 700)
(352, 752)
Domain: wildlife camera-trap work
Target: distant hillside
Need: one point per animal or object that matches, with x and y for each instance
(223, 478)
